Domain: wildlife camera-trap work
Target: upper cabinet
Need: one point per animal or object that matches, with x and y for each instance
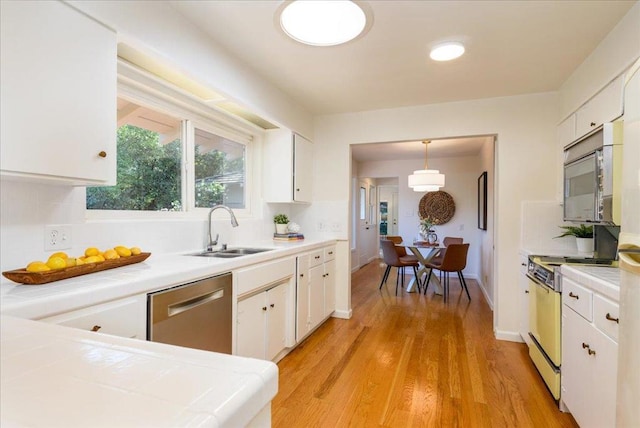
(287, 167)
(58, 82)
(605, 106)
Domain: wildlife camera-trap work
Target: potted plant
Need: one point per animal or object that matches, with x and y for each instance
(583, 235)
(281, 221)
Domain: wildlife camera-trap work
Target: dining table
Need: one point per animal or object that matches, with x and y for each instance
(423, 258)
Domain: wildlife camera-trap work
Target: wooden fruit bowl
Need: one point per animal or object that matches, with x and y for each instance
(21, 276)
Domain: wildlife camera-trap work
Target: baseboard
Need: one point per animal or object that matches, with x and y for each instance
(510, 336)
(342, 314)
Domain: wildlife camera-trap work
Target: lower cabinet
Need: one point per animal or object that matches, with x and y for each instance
(589, 358)
(124, 318)
(315, 288)
(262, 320)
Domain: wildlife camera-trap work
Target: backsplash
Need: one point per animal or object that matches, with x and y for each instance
(540, 225)
(26, 208)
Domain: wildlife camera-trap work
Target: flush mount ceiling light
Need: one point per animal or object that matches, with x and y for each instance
(447, 51)
(322, 23)
(426, 180)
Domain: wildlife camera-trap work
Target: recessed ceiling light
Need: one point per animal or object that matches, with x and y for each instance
(323, 23)
(447, 51)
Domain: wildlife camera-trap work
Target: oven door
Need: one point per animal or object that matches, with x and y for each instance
(544, 319)
(581, 189)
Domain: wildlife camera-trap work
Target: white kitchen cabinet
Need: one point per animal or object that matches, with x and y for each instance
(523, 282)
(329, 281)
(125, 318)
(589, 355)
(58, 82)
(605, 106)
(316, 289)
(262, 320)
(287, 168)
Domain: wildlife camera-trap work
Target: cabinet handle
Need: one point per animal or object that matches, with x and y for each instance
(317, 257)
(592, 124)
(297, 190)
(301, 275)
(526, 291)
(102, 154)
(585, 345)
(610, 318)
(96, 327)
(264, 308)
(575, 296)
(523, 264)
(273, 305)
(592, 352)
(330, 252)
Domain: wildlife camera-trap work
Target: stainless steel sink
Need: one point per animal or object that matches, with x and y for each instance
(232, 252)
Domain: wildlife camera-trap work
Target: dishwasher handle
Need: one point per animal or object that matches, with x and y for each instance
(179, 307)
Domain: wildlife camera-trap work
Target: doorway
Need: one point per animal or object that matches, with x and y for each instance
(388, 209)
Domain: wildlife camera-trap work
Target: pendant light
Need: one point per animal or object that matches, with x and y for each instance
(426, 180)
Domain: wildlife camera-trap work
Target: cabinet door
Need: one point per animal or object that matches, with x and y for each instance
(303, 169)
(316, 295)
(524, 301)
(251, 332)
(566, 135)
(589, 372)
(605, 106)
(58, 79)
(124, 318)
(276, 320)
(329, 287)
(302, 297)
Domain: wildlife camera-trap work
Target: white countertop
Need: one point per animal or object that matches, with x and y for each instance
(157, 272)
(604, 280)
(60, 376)
(55, 376)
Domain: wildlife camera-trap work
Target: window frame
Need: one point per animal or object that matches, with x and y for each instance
(152, 92)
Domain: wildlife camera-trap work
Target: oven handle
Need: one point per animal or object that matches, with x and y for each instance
(537, 282)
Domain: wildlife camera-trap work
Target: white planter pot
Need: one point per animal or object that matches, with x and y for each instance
(585, 245)
(281, 228)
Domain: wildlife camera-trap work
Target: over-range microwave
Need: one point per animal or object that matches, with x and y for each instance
(592, 177)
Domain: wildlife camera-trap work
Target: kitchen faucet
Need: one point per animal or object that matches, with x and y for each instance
(234, 223)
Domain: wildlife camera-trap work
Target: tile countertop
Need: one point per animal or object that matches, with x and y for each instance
(604, 280)
(59, 376)
(157, 272)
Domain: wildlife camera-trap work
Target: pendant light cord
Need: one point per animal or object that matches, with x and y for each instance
(426, 145)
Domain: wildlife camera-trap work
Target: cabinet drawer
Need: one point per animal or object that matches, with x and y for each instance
(316, 257)
(124, 318)
(605, 316)
(329, 253)
(264, 274)
(577, 298)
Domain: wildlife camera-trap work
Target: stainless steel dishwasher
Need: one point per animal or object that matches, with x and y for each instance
(194, 315)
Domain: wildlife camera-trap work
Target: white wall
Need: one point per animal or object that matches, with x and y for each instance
(525, 127)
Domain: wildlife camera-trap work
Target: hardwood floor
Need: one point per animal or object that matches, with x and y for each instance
(411, 360)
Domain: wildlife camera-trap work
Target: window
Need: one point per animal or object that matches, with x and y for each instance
(150, 155)
(219, 171)
(155, 153)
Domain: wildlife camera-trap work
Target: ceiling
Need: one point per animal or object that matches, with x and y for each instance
(513, 48)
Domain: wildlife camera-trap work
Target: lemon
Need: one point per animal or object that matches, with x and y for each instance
(70, 261)
(80, 261)
(92, 259)
(56, 263)
(123, 251)
(135, 251)
(37, 267)
(111, 255)
(60, 254)
(91, 251)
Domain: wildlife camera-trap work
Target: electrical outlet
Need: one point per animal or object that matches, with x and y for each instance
(57, 237)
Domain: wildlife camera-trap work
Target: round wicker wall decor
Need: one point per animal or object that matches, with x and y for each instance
(438, 206)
